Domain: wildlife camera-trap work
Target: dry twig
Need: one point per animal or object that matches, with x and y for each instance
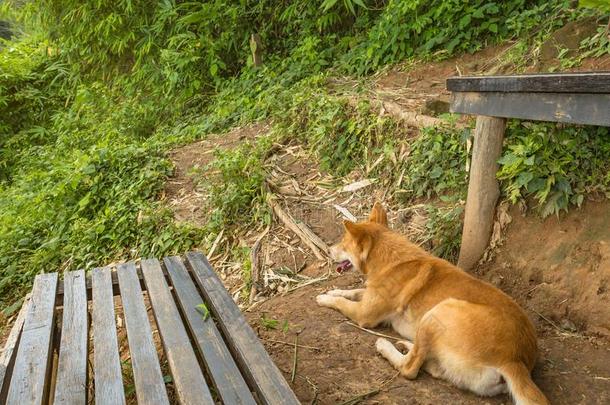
(255, 266)
(372, 332)
(294, 359)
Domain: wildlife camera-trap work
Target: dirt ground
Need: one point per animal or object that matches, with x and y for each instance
(557, 269)
(574, 364)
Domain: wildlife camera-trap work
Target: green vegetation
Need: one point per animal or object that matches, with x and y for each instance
(93, 95)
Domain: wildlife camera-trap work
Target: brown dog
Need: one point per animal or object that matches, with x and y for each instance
(463, 330)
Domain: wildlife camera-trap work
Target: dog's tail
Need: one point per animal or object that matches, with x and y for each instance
(521, 386)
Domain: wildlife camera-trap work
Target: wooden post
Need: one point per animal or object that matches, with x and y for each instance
(483, 189)
(256, 46)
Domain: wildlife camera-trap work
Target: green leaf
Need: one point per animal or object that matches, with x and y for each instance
(524, 178)
(436, 172)
(536, 185)
(328, 4)
(269, 323)
(509, 159)
(464, 21)
(203, 310)
(603, 5)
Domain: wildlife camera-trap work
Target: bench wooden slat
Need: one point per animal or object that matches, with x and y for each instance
(28, 382)
(150, 388)
(228, 381)
(7, 357)
(71, 385)
(106, 361)
(258, 367)
(191, 387)
(586, 109)
(594, 82)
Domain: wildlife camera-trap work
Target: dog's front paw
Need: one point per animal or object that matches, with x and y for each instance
(336, 293)
(325, 300)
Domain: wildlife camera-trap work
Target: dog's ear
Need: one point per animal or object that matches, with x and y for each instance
(354, 229)
(378, 214)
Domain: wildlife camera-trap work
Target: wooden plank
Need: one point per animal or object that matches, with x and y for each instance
(7, 356)
(106, 361)
(150, 388)
(219, 364)
(28, 383)
(254, 361)
(189, 382)
(71, 385)
(115, 286)
(483, 190)
(598, 82)
(586, 109)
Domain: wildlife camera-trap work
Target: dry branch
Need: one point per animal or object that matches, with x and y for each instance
(255, 266)
(372, 332)
(313, 242)
(411, 118)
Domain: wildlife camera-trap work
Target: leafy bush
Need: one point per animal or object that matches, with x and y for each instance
(436, 164)
(342, 135)
(444, 228)
(423, 27)
(87, 193)
(237, 193)
(555, 164)
(30, 91)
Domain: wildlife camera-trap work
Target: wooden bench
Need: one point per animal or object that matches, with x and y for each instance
(575, 98)
(215, 359)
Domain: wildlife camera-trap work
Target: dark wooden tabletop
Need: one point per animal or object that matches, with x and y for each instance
(589, 82)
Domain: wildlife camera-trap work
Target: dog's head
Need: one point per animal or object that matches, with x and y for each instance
(358, 240)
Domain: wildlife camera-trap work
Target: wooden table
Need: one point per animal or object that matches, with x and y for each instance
(211, 359)
(574, 98)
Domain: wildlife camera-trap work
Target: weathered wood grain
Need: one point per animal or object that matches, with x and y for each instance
(586, 109)
(227, 379)
(254, 361)
(190, 385)
(7, 356)
(591, 82)
(115, 286)
(71, 385)
(31, 369)
(106, 362)
(150, 388)
(483, 189)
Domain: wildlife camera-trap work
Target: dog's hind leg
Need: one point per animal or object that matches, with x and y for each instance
(390, 352)
(397, 359)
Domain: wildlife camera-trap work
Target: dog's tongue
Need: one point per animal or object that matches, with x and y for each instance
(344, 265)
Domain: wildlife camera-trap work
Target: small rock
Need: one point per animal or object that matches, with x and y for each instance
(568, 325)
(496, 279)
(435, 107)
